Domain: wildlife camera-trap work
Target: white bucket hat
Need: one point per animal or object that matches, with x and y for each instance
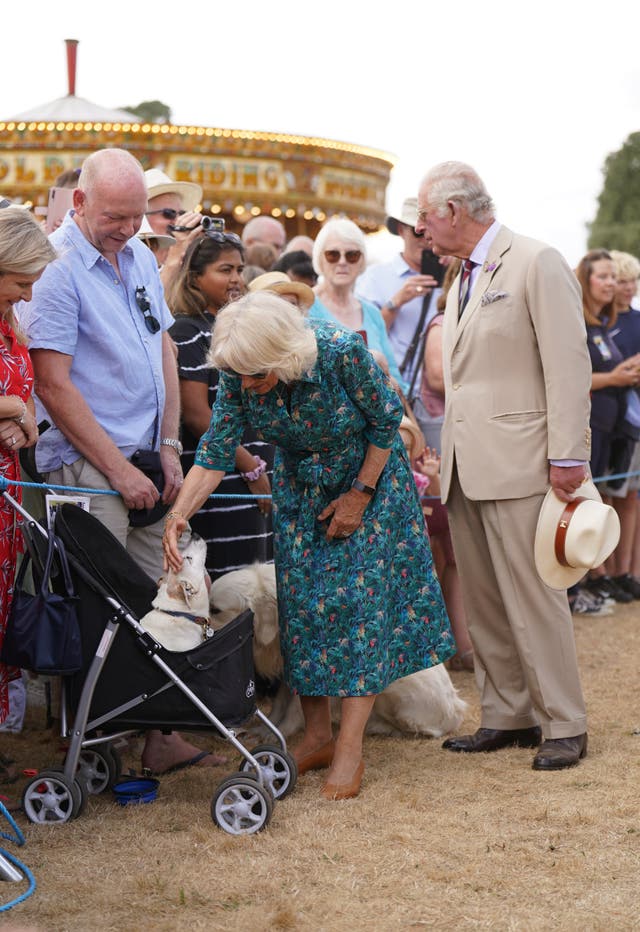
(159, 183)
(408, 215)
(573, 537)
(163, 239)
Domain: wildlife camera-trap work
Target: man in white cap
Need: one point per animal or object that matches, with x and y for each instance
(400, 290)
(172, 204)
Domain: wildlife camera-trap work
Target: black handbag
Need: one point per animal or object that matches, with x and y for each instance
(43, 633)
(148, 462)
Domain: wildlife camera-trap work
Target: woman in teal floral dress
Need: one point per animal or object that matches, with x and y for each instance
(359, 604)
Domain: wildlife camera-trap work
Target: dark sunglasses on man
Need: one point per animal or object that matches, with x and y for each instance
(167, 212)
(152, 323)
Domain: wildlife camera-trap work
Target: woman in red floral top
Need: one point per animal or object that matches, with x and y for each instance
(24, 253)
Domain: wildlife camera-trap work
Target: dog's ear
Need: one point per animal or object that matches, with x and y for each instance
(187, 592)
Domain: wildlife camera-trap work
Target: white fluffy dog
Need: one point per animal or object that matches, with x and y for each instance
(423, 703)
(180, 613)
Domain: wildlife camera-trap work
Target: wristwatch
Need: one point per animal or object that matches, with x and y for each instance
(170, 442)
(389, 306)
(361, 487)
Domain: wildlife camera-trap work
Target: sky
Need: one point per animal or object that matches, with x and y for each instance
(533, 95)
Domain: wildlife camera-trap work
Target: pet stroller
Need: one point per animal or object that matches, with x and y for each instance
(129, 682)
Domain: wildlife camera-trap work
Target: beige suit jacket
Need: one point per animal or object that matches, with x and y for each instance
(517, 373)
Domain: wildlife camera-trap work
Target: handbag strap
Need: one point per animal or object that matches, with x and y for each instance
(56, 546)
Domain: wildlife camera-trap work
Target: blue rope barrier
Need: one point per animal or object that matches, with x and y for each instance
(19, 839)
(6, 483)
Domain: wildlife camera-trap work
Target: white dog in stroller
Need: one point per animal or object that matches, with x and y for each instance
(179, 619)
(423, 703)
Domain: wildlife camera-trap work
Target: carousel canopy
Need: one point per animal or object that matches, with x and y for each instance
(71, 109)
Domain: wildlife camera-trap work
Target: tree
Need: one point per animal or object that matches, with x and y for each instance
(617, 222)
(152, 111)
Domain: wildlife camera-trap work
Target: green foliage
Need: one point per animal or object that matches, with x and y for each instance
(151, 111)
(617, 222)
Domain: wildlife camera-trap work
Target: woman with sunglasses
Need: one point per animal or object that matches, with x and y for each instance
(339, 257)
(359, 604)
(237, 532)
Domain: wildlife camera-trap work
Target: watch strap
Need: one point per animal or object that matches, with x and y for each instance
(361, 487)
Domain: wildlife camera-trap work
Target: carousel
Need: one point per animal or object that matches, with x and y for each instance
(300, 180)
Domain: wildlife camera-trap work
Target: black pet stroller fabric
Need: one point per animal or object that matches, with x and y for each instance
(219, 671)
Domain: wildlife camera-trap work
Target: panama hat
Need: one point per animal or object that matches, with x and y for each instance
(573, 537)
(163, 239)
(412, 437)
(282, 284)
(408, 215)
(158, 183)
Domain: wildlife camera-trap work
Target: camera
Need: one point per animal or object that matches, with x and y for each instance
(206, 224)
(212, 223)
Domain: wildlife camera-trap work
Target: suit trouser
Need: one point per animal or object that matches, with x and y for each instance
(144, 544)
(521, 630)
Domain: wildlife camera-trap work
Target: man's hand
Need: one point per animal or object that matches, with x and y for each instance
(136, 489)
(414, 287)
(172, 469)
(565, 480)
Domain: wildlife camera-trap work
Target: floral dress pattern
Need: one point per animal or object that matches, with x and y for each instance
(355, 613)
(16, 378)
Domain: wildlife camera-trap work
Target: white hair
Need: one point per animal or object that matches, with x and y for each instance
(338, 228)
(457, 181)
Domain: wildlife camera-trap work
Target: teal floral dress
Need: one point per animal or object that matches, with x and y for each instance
(355, 613)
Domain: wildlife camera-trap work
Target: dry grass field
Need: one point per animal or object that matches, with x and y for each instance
(435, 840)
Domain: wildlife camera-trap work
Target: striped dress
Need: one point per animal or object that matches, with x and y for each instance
(237, 534)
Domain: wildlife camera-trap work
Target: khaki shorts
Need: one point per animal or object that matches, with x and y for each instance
(144, 544)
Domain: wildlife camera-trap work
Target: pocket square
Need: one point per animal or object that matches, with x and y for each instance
(489, 297)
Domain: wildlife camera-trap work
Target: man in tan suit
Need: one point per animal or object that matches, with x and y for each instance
(517, 382)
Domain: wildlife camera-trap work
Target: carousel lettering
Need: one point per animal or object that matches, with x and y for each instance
(230, 174)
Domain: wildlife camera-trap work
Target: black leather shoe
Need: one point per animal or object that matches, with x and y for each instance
(557, 753)
(491, 739)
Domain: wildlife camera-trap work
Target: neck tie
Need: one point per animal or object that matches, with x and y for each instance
(465, 285)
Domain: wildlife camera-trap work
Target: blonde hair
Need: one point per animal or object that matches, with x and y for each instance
(627, 266)
(24, 249)
(262, 332)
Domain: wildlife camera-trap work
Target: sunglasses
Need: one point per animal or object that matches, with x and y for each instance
(167, 212)
(351, 255)
(225, 239)
(152, 323)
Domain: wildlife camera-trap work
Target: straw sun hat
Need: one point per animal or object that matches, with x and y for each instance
(280, 283)
(574, 537)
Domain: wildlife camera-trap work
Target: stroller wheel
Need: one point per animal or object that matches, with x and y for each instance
(100, 766)
(52, 797)
(240, 806)
(279, 769)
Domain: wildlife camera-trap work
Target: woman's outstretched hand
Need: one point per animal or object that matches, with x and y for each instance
(174, 526)
(345, 513)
